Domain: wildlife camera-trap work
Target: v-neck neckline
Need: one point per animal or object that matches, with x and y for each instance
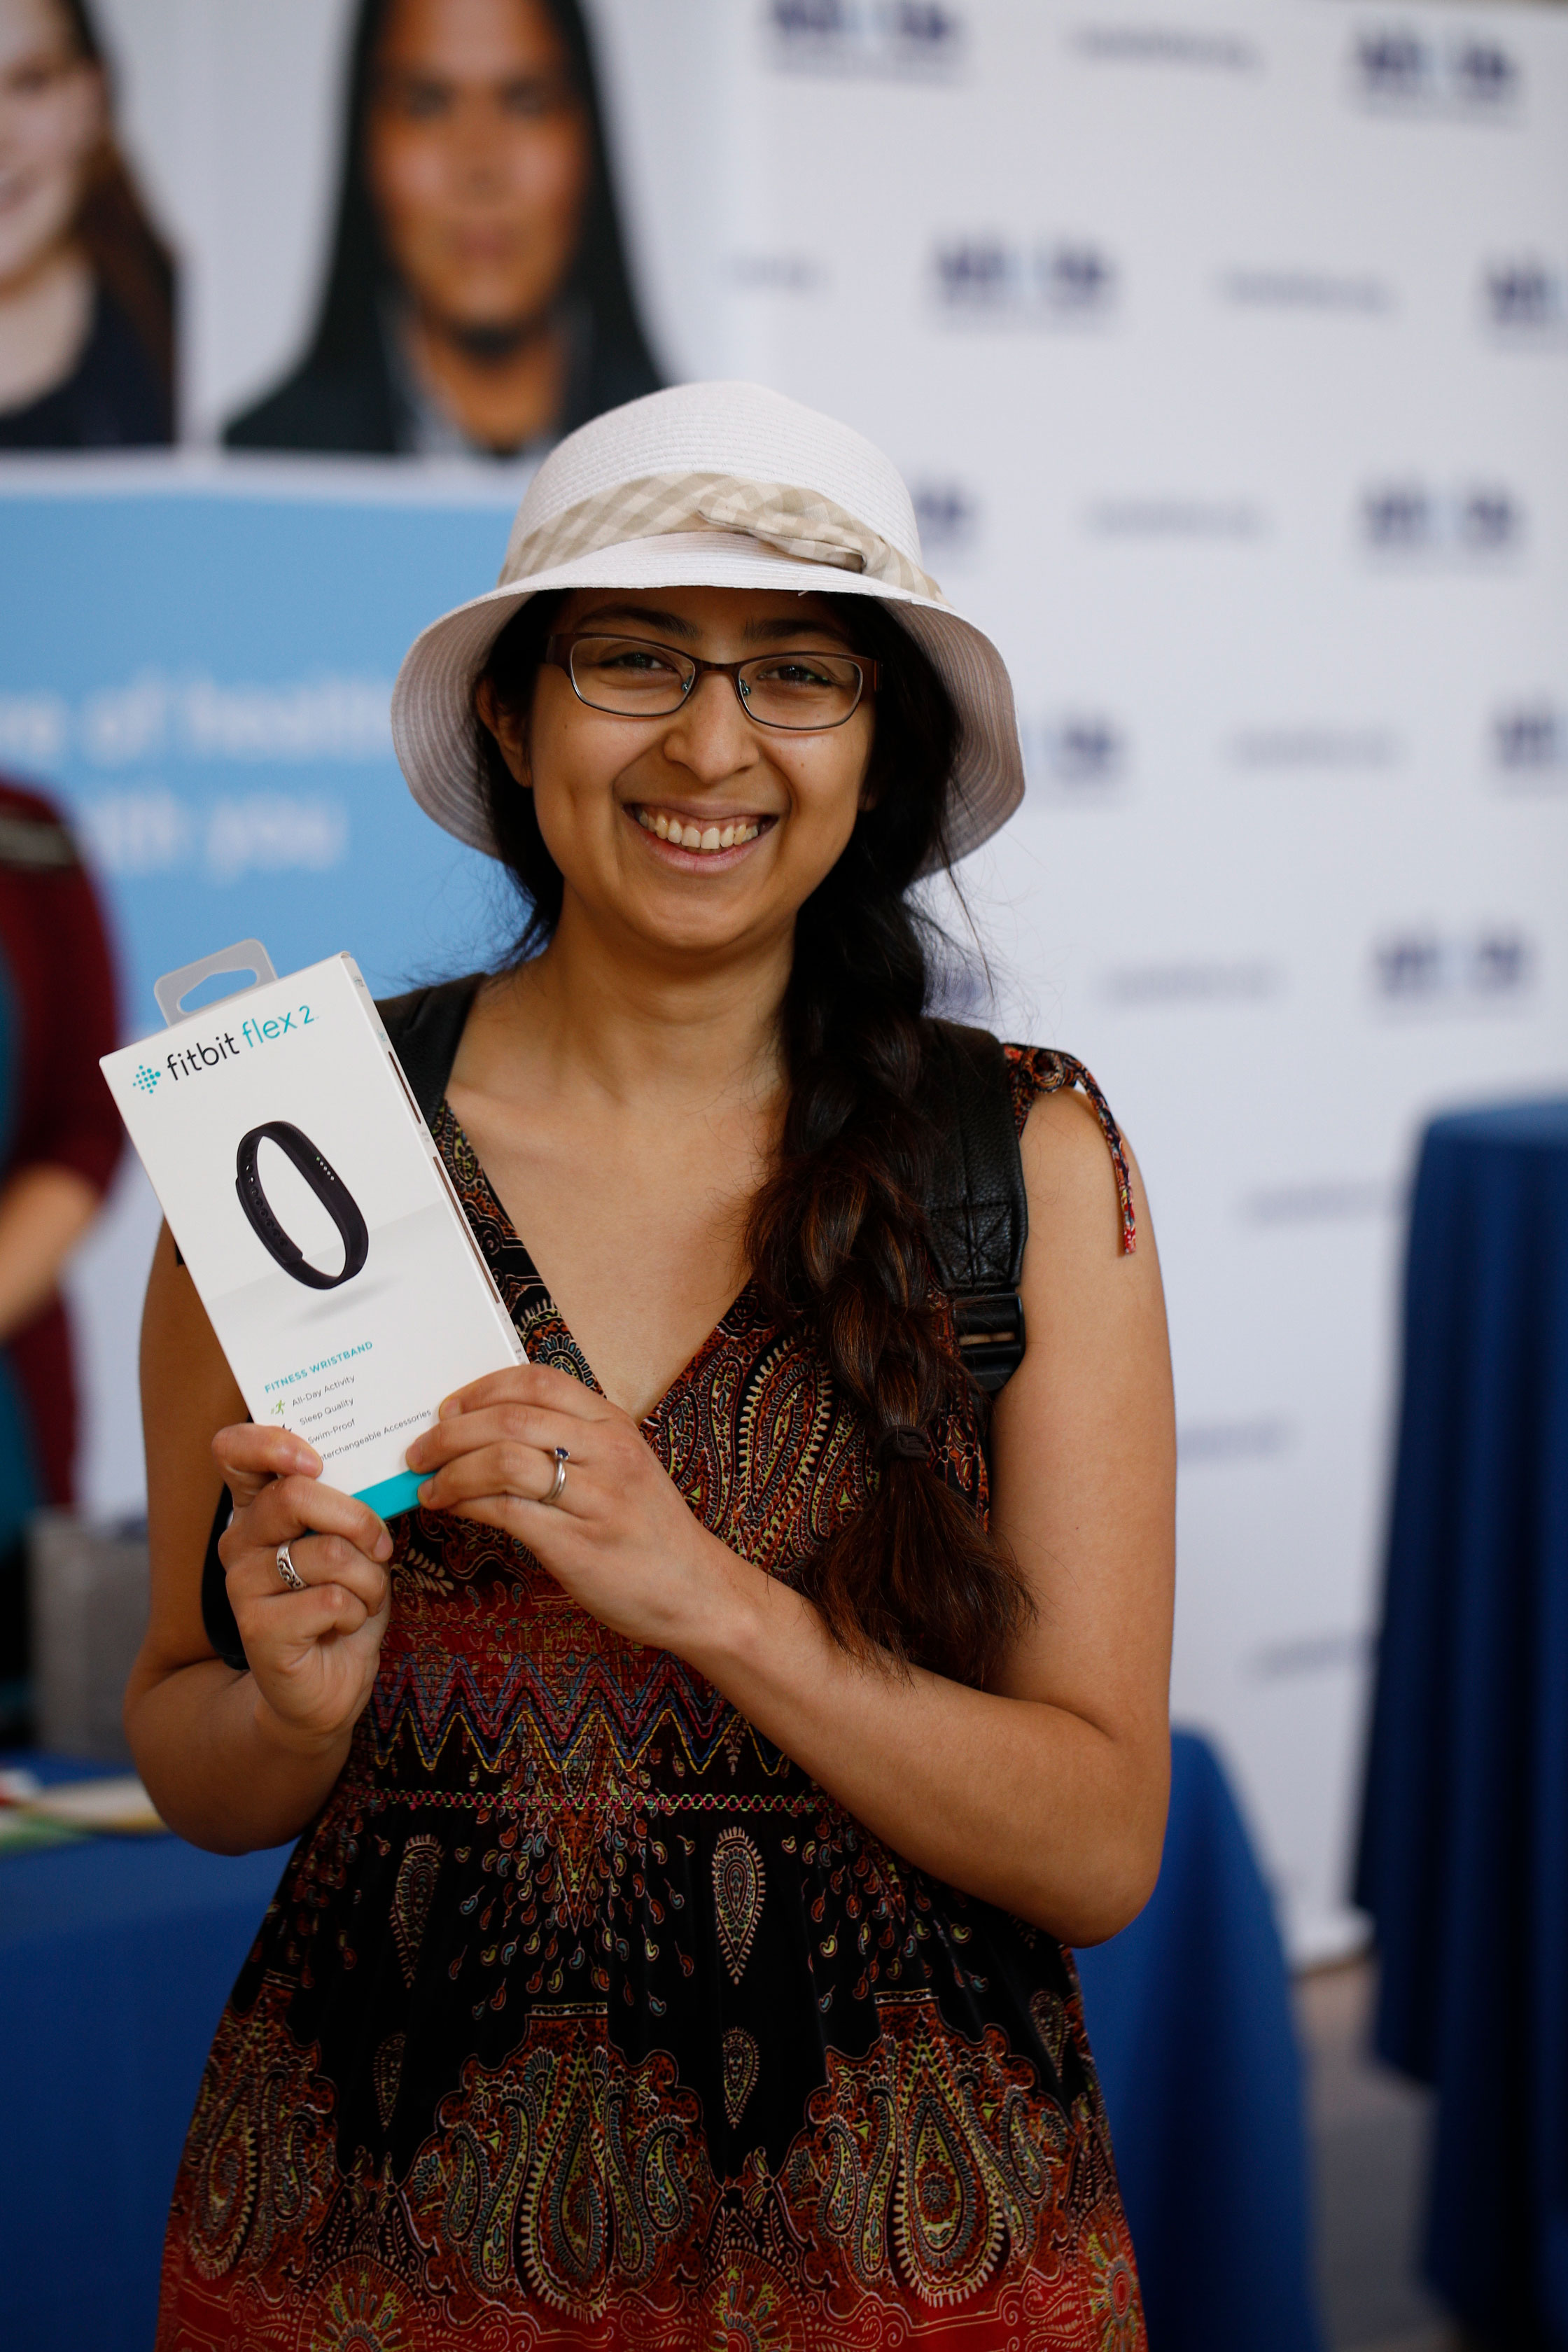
(547, 1298)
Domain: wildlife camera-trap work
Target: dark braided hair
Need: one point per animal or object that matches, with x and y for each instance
(837, 1235)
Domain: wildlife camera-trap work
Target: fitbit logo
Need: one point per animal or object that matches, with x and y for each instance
(145, 1078)
(190, 1061)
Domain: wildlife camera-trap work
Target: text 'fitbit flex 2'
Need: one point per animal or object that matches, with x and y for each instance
(329, 1189)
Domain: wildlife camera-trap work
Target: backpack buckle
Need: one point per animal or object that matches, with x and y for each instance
(990, 1328)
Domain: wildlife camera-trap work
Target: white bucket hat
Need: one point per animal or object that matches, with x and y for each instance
(709, 485)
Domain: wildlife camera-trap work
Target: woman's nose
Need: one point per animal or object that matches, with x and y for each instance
(711, 733)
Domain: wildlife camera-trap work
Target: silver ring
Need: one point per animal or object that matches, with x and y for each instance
(558, 1483)
(287, 1570)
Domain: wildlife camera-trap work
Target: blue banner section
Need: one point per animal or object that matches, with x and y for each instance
(201, 677)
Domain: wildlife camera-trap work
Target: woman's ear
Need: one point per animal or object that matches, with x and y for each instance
(509, 731)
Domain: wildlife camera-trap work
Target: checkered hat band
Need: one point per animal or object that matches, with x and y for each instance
(793, 523)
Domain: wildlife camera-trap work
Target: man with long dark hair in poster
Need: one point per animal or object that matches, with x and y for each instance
(476, 297)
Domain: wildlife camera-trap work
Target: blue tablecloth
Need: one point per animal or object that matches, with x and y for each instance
(116, 1957)
(1189, 2016)
(1464, 1855)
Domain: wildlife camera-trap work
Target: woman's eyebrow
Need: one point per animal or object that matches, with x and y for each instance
(766, 629)
(645, 616)
(773, 629)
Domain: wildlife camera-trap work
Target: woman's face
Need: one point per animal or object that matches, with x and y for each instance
(602, 784)
(478, 159)
(51, 119)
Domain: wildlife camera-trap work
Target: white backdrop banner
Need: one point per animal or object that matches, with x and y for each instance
(1225, 349)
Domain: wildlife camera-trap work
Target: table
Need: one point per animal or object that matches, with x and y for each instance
(1189, 2016)
(116, 1957)
(1464, 1850)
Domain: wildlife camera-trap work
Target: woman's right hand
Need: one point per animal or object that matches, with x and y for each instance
(312, 1654)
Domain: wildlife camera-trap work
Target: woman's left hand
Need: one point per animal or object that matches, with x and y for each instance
(619, 1538)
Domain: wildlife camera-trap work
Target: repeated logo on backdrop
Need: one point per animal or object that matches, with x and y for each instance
(1404, 69)
(896, 39)
(991, 281)
(1429, 970)
(1524, 302)
(1407, 519)
(1528, 745)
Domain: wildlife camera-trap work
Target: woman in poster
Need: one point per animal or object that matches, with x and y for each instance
(477, 298)
(87, 286)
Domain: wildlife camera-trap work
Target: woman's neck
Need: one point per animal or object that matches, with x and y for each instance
(45, 317)
(641, 1030)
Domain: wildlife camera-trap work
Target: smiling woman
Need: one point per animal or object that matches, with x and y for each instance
(698, 1789)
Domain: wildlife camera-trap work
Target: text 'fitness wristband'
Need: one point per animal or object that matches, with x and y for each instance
(329, 1189)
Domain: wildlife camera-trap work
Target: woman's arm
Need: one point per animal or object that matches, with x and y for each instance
(1047, 1795)
(233, 1760)
(43, 1211)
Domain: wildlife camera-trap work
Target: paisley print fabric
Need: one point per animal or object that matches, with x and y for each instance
(582, 2017)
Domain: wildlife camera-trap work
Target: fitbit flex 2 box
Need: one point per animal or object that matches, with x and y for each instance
(309, 1201)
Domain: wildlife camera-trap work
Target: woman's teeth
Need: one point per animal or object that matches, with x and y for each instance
(694, 836)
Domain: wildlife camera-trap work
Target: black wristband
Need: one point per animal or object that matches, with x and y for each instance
(329, 1189)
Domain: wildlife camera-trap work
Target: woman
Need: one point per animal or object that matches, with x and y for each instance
(87, 286)
(478, 297)
(698, 1789)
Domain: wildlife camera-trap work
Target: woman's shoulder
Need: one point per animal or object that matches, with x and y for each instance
(1037, 1072)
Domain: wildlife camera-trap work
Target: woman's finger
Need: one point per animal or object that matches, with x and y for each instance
(250, 1455)
(302, 1617)
(296, 1506)
(317, 1559)
(509, 1423)
(530, 1384)
(525, 1474)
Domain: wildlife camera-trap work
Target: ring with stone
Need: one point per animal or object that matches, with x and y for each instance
(557, 1485)
(287, 1570)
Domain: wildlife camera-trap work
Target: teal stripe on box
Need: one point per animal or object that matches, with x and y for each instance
(399, 1494)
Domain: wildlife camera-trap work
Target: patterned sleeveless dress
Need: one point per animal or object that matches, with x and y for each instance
(583, 2018)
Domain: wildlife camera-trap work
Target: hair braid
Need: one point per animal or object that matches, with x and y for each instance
(838, 1233)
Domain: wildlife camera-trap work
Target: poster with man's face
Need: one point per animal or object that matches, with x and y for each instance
(469, 288)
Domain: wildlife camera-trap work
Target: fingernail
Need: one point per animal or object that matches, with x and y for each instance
(307, 1461)
(383, 1545)
(426, 1490)
(450, 1406)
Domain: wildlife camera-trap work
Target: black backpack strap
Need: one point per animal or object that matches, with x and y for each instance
(217, 1613)
(977, 1209)
(426, 1028)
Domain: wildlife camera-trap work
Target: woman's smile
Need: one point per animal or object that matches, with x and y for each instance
(704, 837)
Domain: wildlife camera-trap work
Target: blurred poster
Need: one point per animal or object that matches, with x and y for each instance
(87, 283)
(412, 202)
(476, 296)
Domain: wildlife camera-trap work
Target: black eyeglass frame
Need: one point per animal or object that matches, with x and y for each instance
(558, 655)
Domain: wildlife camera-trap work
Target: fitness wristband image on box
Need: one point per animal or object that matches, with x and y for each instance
(329, 1189)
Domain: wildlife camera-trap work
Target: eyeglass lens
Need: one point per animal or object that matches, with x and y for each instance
(649, 681)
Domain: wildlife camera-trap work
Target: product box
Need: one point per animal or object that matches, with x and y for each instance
(308, 1199)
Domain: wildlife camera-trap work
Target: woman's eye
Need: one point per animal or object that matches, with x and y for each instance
(636, 663)
(795, 672)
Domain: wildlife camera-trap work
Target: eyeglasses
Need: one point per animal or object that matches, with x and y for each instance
(636, 679)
